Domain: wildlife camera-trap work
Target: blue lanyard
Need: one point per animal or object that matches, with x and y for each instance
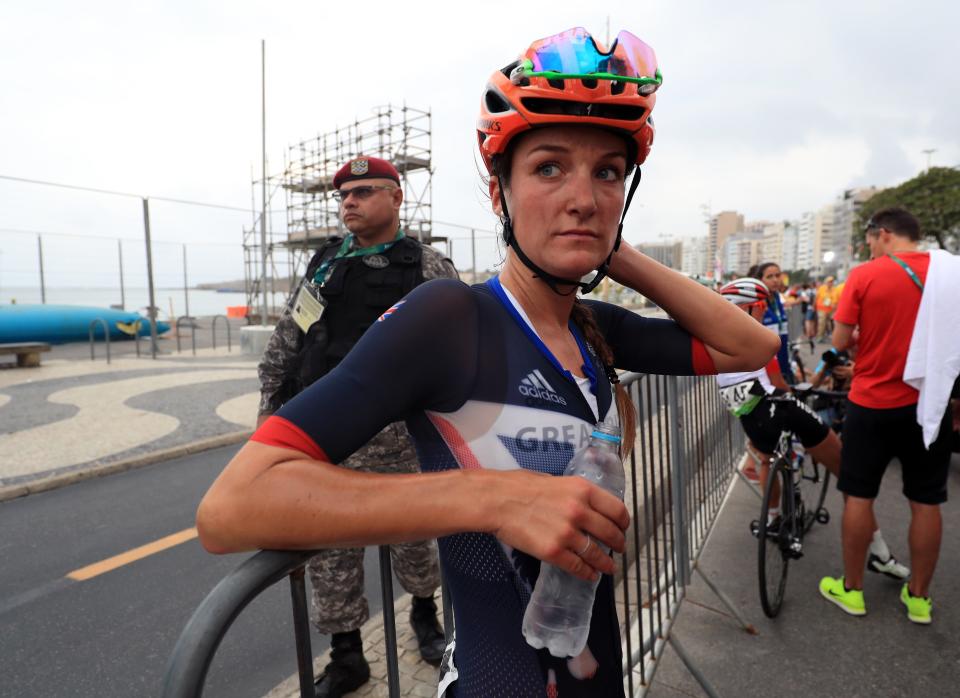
(588, 369)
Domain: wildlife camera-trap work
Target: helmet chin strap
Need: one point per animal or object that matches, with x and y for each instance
(551, 280)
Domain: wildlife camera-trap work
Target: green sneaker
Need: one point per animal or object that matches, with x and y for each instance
(918, 608)
(832, 589)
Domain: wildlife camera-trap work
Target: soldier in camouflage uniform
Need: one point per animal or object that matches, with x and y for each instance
(349, 283)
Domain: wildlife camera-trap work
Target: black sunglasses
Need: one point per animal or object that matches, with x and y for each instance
(361, 193)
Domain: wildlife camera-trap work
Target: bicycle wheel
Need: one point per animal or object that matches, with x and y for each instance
(773, 551)
(814, 482)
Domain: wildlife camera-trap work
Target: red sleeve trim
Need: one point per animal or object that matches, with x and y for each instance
(773, 367)
(283, 433)
(702, 362)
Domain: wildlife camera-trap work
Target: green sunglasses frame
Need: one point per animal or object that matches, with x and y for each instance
(528, 71)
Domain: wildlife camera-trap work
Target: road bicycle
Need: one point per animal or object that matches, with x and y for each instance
(799, 484)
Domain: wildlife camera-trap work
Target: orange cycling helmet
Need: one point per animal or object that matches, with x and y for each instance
(569, 79)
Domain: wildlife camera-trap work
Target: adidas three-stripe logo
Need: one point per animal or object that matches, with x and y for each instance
(536, 386)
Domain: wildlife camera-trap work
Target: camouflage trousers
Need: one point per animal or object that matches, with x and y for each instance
(337, 574)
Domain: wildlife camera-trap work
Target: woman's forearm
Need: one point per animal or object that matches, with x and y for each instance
(737, 341)
(274, 498)
(303, 504)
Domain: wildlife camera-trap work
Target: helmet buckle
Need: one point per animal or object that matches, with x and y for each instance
(518, 75)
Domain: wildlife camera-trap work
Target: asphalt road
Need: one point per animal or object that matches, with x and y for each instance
(112, 635)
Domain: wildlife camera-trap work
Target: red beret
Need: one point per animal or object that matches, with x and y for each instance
(364, 167)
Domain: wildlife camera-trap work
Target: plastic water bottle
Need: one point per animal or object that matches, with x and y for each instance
(559, 612)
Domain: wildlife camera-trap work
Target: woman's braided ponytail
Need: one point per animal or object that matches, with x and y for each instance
(583, 318)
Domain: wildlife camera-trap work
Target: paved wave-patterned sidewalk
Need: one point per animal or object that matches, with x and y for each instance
(70, 417)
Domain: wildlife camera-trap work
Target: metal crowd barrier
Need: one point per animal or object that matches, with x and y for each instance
(106, 336)
(795, 321)
(678, 476)
(213, 331)
(191, 322)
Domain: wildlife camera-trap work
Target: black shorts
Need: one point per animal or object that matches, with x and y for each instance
(778, 413)
(872, 438)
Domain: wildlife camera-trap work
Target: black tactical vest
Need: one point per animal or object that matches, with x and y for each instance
(357, 291)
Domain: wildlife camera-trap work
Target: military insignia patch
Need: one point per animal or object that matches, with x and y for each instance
(376, 261)
(359, 167)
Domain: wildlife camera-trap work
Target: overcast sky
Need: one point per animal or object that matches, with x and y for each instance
(769, 108)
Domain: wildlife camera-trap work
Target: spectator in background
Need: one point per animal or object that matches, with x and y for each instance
(882, 298)
(806, 297)
(775, 317)
(826, 303)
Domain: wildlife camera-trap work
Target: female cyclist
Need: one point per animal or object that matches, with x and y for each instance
(775, 316)
(500, 383)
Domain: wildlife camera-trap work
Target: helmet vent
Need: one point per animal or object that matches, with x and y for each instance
(619, 112)
(589, 83)
(617, 87)
(555, 84)
(495, 103)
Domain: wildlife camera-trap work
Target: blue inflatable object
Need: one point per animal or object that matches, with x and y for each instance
(57, 324)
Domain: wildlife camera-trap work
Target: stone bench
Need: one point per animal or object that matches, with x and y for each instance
(28, 353)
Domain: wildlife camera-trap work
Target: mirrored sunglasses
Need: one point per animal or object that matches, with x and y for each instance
(574, 54)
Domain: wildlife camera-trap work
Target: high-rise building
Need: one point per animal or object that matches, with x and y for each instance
(669, 254)
(806, 234)
(791, 234)
(845, 214)
(772, 249)
(721, 226)
(741, 251)
(694, 256)
(823, 234)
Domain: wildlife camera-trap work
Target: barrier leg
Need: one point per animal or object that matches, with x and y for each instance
(725, 600)
(389, 623)
(301, 631)
(691, 667)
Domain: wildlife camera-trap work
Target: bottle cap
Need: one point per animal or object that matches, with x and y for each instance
(597, 434)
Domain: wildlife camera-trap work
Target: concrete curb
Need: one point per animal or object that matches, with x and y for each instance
(53, 482)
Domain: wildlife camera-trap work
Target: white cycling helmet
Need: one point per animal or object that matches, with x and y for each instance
(745, 291)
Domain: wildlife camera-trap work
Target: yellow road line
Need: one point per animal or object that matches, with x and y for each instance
(112, 563)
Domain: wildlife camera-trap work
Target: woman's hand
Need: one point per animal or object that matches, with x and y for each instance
(552, 517)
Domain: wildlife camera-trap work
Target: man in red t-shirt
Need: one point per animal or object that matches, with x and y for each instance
(882, 298)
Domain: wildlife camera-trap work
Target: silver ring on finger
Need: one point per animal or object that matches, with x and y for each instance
(586, 547)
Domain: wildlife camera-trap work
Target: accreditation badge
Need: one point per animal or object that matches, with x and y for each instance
(308, 308)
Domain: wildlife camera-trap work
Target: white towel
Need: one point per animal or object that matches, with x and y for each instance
(933, 360)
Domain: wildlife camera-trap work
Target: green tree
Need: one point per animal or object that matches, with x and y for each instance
(799, 276)
(933, 197)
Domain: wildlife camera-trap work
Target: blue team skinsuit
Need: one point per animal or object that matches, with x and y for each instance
(775, 318)
(479, 390)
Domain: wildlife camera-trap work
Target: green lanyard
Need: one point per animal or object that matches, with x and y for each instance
(910, 272)
(320, 276)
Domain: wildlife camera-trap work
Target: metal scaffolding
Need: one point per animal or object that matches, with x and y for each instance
(401, 135)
